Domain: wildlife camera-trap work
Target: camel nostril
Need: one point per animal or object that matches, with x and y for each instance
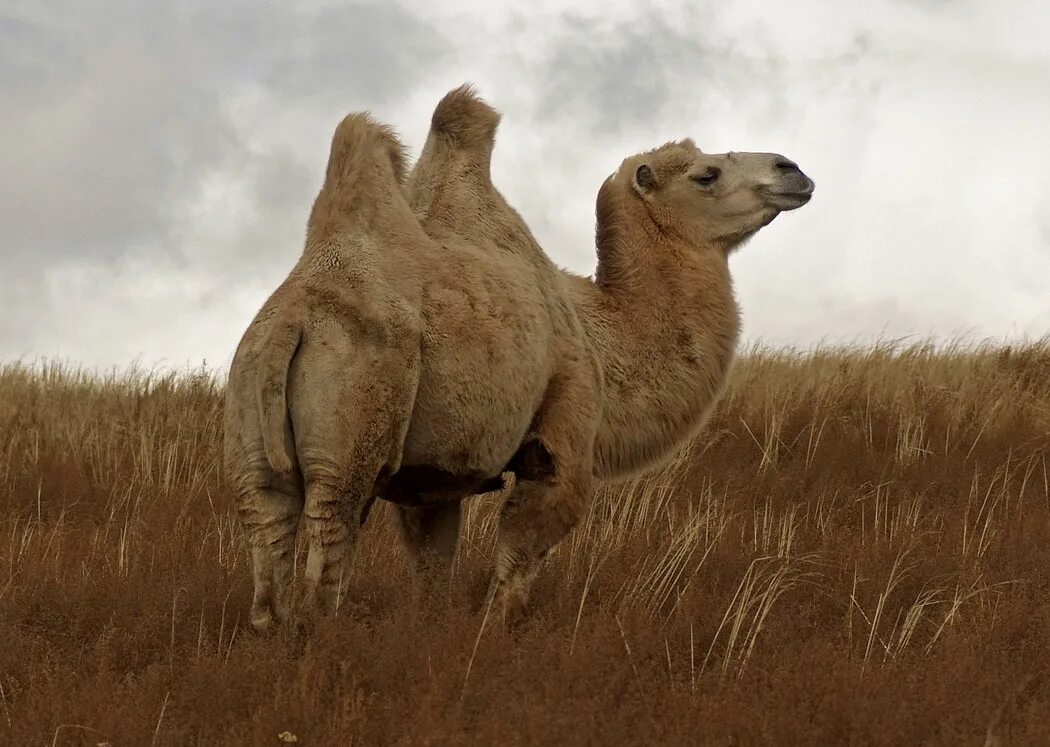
(783, 164)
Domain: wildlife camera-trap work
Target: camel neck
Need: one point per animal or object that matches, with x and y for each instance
(666, 333)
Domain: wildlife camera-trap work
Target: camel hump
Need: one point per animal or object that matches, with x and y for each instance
(366, 169)
(464, 117)
(360, 143)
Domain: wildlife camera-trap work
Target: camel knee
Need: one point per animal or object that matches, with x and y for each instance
(326, 514)
(269, 516)
(535, 518)
(538, 516)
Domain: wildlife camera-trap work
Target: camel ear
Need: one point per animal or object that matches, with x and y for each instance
(644, 179)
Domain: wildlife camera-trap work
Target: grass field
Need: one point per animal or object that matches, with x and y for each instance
(856, 551)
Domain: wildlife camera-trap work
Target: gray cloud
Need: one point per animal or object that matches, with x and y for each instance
(618, 76)
(123, 131)
(375, 52)
(161, 159)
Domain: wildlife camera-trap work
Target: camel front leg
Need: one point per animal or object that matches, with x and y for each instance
(555, 483)
(534, 519)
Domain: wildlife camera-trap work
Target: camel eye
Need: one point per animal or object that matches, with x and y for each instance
(708, 178)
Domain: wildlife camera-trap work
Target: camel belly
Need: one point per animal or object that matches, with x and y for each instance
(486, 355)
(472, 411)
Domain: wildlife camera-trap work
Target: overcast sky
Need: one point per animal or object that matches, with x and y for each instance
(158, 159)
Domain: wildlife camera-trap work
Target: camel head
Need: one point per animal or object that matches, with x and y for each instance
(714, 199)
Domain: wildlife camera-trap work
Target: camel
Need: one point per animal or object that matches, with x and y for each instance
(424, 347)
(660, 313)
(389, 363)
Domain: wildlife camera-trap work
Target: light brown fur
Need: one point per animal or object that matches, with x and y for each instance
(660, 314)
(357, 366)
(438, 334)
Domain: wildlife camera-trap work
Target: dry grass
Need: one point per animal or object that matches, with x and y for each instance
(857, 551)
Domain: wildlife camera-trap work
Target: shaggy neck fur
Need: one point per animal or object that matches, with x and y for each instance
(665, 324)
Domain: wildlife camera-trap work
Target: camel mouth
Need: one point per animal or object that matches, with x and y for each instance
(790, 194)
(788, 200)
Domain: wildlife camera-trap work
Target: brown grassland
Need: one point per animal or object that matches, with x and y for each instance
(855, 551)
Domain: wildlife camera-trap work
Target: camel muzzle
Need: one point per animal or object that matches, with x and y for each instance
(792, 188)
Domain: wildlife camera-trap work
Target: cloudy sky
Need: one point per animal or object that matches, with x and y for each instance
(158, 159)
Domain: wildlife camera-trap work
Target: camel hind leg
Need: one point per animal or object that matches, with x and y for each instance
(336, 509)
(354, 444)
(333, 518)
(430, 534)
(271, 518)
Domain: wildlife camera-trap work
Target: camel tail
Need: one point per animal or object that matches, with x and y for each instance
(281, 347)
(463, 117)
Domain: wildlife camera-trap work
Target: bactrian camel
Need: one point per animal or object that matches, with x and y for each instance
(424, 345)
